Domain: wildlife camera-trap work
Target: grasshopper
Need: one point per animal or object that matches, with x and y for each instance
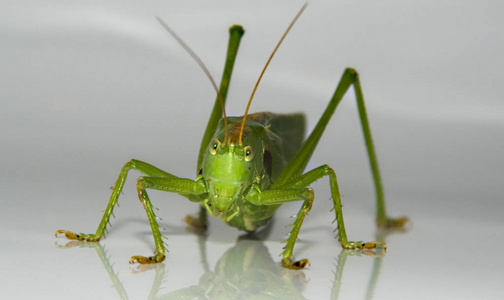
(249, 166)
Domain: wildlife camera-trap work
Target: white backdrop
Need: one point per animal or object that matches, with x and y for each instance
(85, 86)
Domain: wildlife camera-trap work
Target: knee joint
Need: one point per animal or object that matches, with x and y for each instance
(141, 189)
(311, 197)
(140, 183)
(327, 170)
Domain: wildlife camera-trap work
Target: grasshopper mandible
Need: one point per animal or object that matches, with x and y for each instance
(249, 166)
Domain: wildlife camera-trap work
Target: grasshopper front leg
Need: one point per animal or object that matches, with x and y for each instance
(156, 179)
(185, 187)
(296, 190)
(144, 168)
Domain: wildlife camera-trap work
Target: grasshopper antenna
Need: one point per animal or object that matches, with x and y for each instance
(203, 67)
(264, 69)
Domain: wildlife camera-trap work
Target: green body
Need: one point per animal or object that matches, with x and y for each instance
(245, 183)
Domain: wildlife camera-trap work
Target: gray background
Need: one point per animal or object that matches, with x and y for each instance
(86, 86)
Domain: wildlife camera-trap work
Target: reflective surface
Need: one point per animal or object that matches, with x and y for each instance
(86, 87)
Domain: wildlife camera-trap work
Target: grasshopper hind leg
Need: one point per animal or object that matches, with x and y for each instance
(349, 78)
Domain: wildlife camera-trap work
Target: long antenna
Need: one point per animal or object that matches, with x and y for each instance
(203, 67)
(264, 69)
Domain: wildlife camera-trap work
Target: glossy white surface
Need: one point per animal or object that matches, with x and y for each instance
(85, 87)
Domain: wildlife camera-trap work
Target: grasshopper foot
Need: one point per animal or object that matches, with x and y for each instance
(394, 223)
(78, 237)
(372, 245)
(364, 246)
(289, 263)
(196, 225)
(147, 260)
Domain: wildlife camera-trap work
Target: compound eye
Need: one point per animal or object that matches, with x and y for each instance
(214, 145)
(248, 153)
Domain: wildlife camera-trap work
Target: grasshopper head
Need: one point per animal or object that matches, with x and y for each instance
(230, 170)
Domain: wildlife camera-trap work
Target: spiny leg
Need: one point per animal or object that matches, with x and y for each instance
(338, 210)
(307, 179)
(317, 173)
(182, 186)
(288, 260)
(284, 195)
(296, 190)
(144, 168)
(159, 255)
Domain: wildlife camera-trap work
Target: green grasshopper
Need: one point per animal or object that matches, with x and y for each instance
(249, 166)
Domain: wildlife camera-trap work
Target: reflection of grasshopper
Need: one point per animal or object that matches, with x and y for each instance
(245, 271)
(377, 257)
(100, 250)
